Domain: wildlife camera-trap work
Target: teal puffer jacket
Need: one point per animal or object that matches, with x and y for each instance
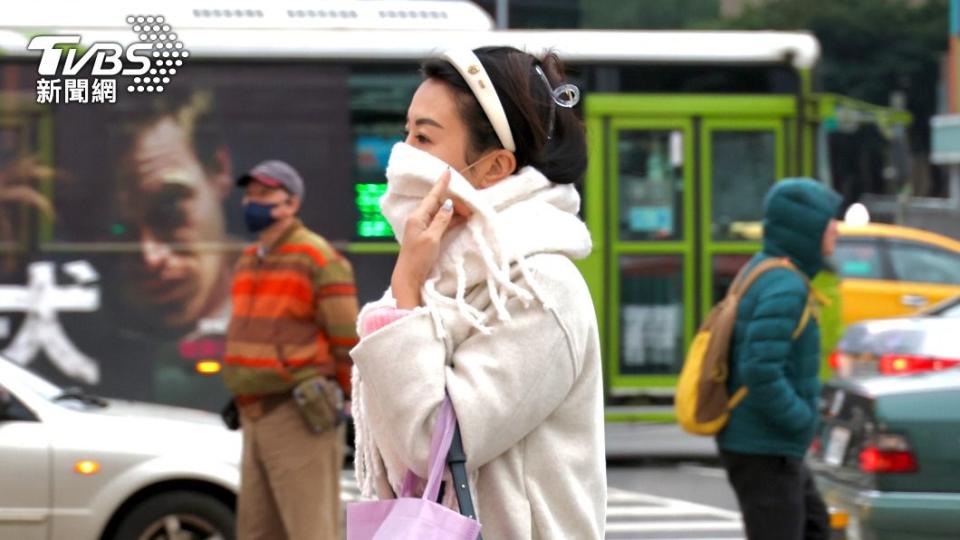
(779, 414)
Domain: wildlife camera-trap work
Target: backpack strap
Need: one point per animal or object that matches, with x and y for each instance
(809, 311)
(746, 278)
(737, 397)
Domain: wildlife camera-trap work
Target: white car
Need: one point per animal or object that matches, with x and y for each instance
(79, 467)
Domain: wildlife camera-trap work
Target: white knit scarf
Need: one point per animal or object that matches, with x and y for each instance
(522, 215)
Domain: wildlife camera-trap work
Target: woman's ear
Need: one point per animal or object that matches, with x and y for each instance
(497, 167)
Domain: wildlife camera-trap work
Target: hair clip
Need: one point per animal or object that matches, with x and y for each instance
(566, 95)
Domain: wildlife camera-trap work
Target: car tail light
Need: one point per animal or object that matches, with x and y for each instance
(842, 363)
(888, 453)
(815, 446)
(201, 349)
(902, 364)
(835, 360)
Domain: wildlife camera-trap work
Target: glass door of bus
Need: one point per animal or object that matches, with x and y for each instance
(674, 200)
(739, 161)
(650, 257)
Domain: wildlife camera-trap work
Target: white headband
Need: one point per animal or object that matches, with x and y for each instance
(472, 71)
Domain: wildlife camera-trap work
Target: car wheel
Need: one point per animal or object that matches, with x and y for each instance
(178, 515)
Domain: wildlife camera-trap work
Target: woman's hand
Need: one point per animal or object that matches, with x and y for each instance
(420, 246)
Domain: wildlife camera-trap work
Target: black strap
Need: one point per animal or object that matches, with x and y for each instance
(457, 458)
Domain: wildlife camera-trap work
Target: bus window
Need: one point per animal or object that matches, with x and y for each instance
(13, 200)
(743, 167)
(856, 163)
(651, 314)
(145, 195)
(219, 119)
(697, 78)
(864, 150)
(725, 269)
(651, 184)
(25, 172)
(379, 96)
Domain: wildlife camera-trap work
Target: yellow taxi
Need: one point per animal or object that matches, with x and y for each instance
(890, 271)
(886, 270)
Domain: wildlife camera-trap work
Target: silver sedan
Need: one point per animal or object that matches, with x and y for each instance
(78, 467)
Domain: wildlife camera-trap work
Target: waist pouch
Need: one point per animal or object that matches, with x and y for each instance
(320, 402)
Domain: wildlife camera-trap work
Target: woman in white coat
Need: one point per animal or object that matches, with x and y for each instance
(485, 304)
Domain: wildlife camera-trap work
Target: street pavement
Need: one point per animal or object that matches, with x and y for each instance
(637, 515)
(627, 441)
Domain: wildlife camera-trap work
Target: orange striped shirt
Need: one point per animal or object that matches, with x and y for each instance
(294, 316)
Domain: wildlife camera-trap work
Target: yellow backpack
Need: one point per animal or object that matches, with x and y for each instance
(702, 403)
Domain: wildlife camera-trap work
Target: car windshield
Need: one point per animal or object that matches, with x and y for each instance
(39, 385)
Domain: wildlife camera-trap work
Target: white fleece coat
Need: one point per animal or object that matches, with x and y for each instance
(509, 332)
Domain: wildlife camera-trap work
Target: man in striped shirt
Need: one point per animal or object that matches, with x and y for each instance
(294, 320)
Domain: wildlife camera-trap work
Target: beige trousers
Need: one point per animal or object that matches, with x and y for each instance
(289, 479)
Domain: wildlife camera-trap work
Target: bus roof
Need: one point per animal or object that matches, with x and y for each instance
(375, 30)
(281, 15)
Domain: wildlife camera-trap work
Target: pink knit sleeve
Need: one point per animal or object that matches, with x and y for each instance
(379, 318)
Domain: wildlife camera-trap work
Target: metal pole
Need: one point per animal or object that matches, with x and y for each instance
(503, 14)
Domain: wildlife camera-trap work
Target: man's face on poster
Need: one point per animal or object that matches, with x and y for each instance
(173, 206)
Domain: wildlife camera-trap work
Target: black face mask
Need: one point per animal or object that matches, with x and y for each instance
(258, 216)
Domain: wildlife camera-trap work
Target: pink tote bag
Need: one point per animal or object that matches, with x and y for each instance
(412, 518)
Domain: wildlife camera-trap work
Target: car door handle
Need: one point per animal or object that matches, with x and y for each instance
(913, 300)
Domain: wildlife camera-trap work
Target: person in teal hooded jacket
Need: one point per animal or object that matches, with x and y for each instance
(763, 444)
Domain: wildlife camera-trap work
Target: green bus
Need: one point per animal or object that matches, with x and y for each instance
(118, 224)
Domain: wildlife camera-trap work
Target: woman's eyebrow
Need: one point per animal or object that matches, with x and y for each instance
(427, 122)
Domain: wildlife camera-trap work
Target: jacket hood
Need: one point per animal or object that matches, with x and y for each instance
(796, 214)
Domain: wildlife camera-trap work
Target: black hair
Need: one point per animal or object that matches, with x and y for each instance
(561, 155)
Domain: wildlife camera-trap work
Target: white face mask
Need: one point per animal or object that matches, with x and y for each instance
(411, 174)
